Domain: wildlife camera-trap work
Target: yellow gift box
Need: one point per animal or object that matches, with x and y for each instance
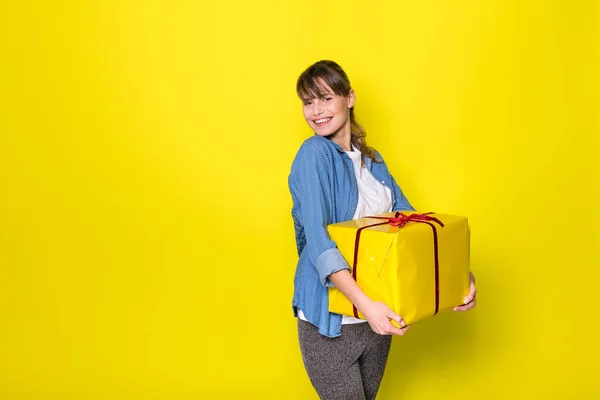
(417, 264)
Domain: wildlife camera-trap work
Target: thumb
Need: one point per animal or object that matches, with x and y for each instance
(395, 317)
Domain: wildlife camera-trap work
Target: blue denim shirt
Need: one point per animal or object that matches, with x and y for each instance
(324, 191)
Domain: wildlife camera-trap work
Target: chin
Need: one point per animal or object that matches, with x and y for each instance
(326, 133)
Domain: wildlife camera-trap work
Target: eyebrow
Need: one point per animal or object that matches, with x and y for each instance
(317, 97)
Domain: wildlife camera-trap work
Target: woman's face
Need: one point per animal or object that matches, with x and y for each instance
(329, 114)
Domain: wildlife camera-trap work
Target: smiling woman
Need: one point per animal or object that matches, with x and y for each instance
(336, 177)
(326, 112)
(328, 105)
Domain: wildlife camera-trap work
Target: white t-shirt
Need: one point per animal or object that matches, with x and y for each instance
(373, 198)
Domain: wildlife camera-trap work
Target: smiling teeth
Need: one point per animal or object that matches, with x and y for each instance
(320, 121)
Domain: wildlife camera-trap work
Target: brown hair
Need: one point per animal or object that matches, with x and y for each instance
(310, 84)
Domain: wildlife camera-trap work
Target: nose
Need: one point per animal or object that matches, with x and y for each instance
(317, 109)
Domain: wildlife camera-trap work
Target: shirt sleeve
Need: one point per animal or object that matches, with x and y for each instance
(316, 199)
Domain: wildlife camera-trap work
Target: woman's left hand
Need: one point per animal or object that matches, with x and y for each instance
(471, 298)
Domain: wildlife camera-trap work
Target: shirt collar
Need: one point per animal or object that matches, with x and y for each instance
(337, 146)
(368, 161)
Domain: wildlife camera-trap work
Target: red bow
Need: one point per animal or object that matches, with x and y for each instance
(401, 219)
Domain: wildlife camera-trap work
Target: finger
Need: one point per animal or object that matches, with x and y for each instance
(376, 330)
(471, 296)
(400, 324)
(473, 289)
(397, 331)
(465, 307)
(395, 317)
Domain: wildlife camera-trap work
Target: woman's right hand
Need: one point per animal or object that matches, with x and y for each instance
(377, 313)
(380, 316)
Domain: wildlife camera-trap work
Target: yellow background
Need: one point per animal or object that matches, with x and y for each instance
(146, 244)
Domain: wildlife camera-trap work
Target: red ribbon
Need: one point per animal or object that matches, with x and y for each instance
(399, 220)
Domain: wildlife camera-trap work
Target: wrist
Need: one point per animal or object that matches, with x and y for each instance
(363, 303)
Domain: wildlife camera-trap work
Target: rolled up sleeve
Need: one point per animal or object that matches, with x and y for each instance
(329, 262)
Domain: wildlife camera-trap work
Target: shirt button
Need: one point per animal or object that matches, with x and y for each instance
(382, 181)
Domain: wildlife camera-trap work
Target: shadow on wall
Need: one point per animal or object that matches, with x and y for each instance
(451, 341)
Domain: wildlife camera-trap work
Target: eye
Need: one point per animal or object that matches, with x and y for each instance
(307, 103)
(328, 98)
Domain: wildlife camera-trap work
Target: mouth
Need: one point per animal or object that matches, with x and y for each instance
(322, 121)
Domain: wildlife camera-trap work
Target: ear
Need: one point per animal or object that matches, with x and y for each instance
(351, 98)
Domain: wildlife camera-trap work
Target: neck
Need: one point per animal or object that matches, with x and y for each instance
(343, 137)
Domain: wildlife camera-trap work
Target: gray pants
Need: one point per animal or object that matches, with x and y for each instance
(347, 367)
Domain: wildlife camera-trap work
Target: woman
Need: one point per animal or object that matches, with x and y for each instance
(336, 177)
